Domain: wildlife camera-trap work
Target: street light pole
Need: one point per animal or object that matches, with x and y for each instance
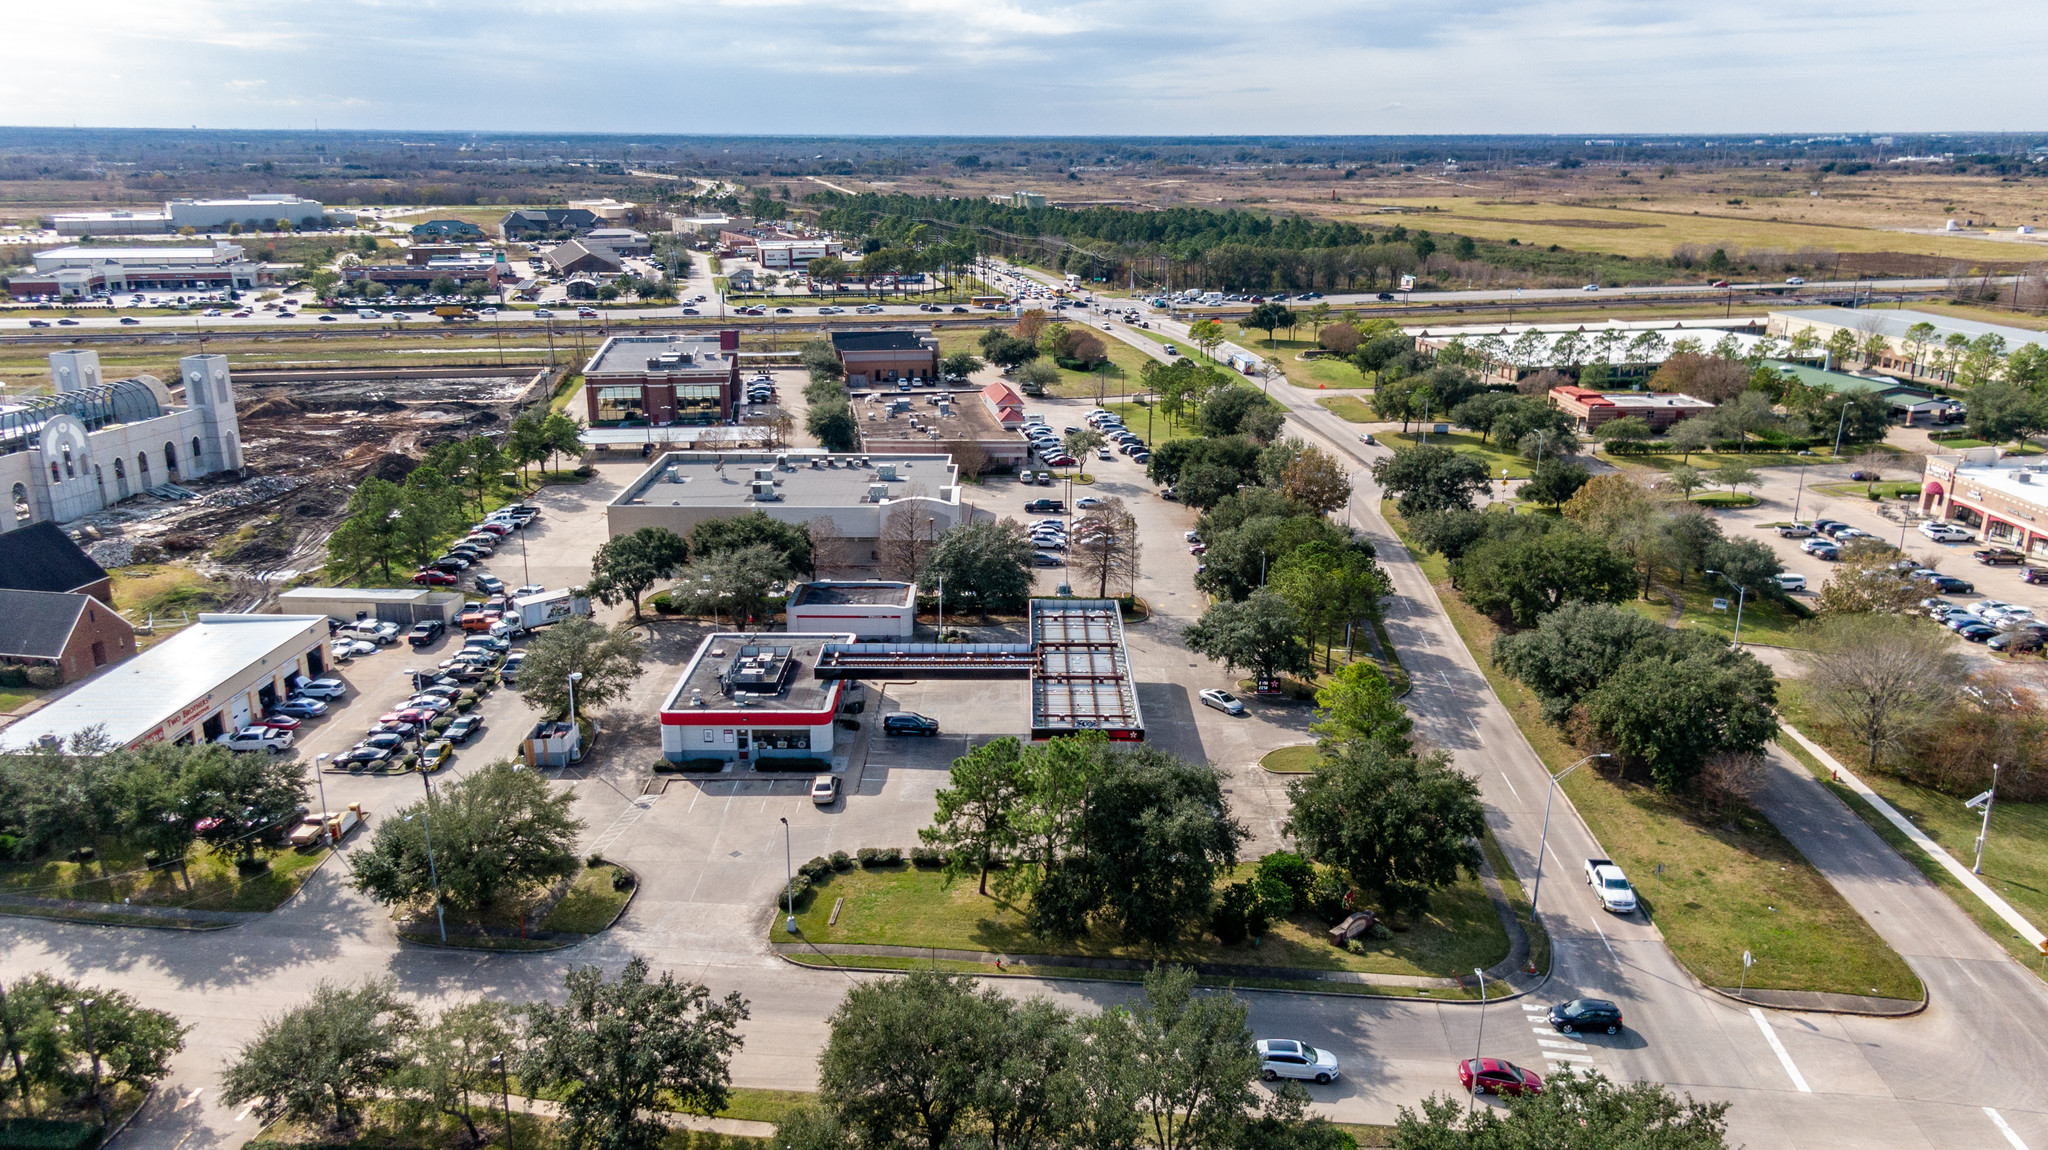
(1742, 593)
(1543, 840)
(1984, 834)
(1841, 423)
(789, 881)
(1801, 494)
(427, 830)
(575, 677)
(505, 1085)
(1479, 1044)
(319, 770)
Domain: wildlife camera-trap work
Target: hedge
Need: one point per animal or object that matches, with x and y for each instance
(879, 856)
(47, 1134)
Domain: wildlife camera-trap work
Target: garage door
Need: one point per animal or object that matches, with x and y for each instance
(238, 711)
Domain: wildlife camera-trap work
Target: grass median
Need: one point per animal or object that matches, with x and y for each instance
(908, 906)
(1763, 620)
(119, 873)
(1715, 885)
(1349, 408)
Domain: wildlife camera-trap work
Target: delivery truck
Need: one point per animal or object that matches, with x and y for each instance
(531, 611)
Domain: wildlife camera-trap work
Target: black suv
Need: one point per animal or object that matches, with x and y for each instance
(425, 632)
(909, 723)
(1586, 1014)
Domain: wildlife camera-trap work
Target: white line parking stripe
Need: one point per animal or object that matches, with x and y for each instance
(1777, 1047)
(1998, 1120)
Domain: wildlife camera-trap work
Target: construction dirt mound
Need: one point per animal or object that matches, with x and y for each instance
(390, 467)
(276, 407)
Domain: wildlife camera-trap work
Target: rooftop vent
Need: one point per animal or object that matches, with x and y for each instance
(878, 492)
(764, 491)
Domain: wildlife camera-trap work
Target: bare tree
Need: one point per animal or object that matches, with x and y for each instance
(1106, 546)
(971, 457)
(1883, 677)
(908, 536)
(832, 551)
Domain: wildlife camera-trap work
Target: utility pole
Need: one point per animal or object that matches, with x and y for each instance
(1988, 799)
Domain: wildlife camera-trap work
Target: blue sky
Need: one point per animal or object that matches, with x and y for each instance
(1010, 67)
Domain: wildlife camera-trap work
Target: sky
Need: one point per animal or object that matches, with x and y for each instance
(1013, 67)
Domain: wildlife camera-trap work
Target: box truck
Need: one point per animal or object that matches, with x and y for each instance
(532, 611)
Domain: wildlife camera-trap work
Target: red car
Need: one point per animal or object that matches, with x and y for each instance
(432, 578)
(1720, 283)
(278, 723)
(1498, 1076)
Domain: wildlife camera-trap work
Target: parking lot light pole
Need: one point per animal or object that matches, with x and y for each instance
(575, 677)
(319, 770)
(504, 1084)
(1543, 840)
(1742, 593)
(427, 830)
(789, 882)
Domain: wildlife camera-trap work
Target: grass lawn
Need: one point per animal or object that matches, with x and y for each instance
(12, 697)
(1349, 407)
(1301, 759)
(2015, 857)
(1492, 454)
(1763, 620)
(1323, 372)
(120, 873)
(905, 906)
(1715, 887)
(1122, 377)
(162, 589)
(1890, 489)
(1152, 425)
(591, 904)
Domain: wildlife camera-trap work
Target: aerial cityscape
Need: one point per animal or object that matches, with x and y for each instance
(1022, 577)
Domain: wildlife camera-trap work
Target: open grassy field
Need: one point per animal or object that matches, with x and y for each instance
(1120, 377)
(119, 873)
(1715, 885)
(1151, 425)
(1349, 407)
(1467, 442)
(1654, 229)
(1763, 620)
(905, 906)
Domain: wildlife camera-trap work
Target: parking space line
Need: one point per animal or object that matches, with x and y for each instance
(1998, 1120)
(1778, 1048)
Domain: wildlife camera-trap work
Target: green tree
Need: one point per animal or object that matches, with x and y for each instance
(960, 364)
(1270, 317)
(526, 442)
(625, 566)
(820, 360)
(738, 583)
(1521, 579)
(608, 660)
(621, 1050)
(319, 1059)
(1225, 410)
(1330, 588)
(368, 537)
(790, 540)
(905, 1055)
(1357, 705)
(1006, 350)
(1261, 634)
(1429, 477)
(834, 425)
(1189, 1058)
(442, 285)
(1685, 480)
(1034, 377)
(976, 820)
(1574, 649)
(1479, 412)
(2003, 412)
(1207, 334)
(986, 562)
(827, 270)
(1400, 825)
(451, 1056)
(1582, 1112)
(1670, 715)
(1734, 475)
(560, 435)
(1555, 482)
(428, 510)
(499, 829)
(225, 790)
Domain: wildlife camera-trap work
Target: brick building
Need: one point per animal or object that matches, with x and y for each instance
(1589, 409)
(659, 380)
(871, 357)
(68, 633)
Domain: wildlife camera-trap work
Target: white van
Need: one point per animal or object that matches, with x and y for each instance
(368, 313)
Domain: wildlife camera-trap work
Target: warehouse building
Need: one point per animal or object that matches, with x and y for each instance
(747, 697)
(215, 675)
(258, 213)
(1916, 342)
(401, 605)
(75, 272)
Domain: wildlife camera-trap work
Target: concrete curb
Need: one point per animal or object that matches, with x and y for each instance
(1792, 1005)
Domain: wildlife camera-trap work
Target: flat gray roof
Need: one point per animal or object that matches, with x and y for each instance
(772, 670)
(368, 594)
(726, 479)
(1894, 322)
(969, 418)
(637, 353)
(131, 699)
(876, 592)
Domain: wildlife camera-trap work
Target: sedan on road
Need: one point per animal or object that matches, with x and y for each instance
(1222, 700)
(1291, 1058)
(1497, 1076)
(301, 708)
(1586, 1014)
(1950, 585)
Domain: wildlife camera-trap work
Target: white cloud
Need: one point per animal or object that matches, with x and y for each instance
(1017, 66)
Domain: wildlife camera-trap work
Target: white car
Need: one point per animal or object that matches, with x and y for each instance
(1795, 281)
(1087, 501)
(256, 739)
(1590, 287)
(1222, 700)
(1611, 885)
(1289, 1058)
(322, 689)
(434, 703)
(1789, 582)
(824, 790)
(345, 649)
(1946, 532)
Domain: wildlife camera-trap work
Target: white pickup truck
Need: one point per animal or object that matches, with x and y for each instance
(1611, 885)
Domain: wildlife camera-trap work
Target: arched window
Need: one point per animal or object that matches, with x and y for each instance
(55, 476)
(222, 391)
(120, 468)
(197, 452)
(170, 462)
(70, 470)
(23, 509)
(142, 468)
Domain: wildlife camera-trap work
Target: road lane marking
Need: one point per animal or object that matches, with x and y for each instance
(1998, 1120)
(1511, 784)
(1554, 1044)
(1480, 737)
(1778, 1048)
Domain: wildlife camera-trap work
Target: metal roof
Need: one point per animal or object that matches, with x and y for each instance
(97, 406)
(1894, 323)
(129, 700)
(1083, 680)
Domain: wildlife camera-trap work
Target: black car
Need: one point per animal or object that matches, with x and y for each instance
(425, 632)
(461, 729)
(1997, 556)
(1586, 1014)
(1386, 295)
(909, 723)
(2018, 640)
(1950, 585)
(2034, 574)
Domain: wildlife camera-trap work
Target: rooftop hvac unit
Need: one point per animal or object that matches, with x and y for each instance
(878, 492)
(764, 473)
(814, 463)
(764, 491)
(782, 460)
(887, 471)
